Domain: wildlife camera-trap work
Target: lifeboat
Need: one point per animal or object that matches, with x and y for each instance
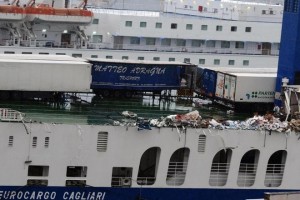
(11, 13)
(45, 13)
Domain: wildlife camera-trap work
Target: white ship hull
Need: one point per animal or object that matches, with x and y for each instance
(76, 145)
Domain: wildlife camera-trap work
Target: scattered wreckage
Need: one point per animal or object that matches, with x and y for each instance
(193, 119)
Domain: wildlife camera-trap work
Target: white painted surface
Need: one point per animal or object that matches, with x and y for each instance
(255, 87)
(44, 75)
(77, 145)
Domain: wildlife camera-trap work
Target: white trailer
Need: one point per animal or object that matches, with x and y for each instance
(239, 90)
(250, 88)
(44, 73)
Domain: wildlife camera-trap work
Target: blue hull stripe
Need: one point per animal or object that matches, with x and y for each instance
(106, 193)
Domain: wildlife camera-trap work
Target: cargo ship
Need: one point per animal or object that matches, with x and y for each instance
(178, 156)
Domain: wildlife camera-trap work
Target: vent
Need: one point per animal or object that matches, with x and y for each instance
(47, 142)
(34, 142)
(201, 143)
(10, 141)
(102, 141)
(37, 182)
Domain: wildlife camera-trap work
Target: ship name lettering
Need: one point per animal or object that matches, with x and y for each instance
(27, 195)
(84, 195)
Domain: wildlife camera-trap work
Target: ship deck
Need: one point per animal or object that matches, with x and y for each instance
(103, 112)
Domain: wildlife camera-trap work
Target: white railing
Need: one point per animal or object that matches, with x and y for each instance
(258, 2)
(219, 174)
(7, 114)
(202, 49)
(93, 45)
(247, 174)
(274, 175)
(126, 12)
(136, 47)
(176, 173)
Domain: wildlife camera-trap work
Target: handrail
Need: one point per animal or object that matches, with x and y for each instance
(156, 48)
(274, 175)
(7, 114)
(176, 173)
(247, 168)
(220, 167)
(218, 174)
(247, 174)
(275, 168)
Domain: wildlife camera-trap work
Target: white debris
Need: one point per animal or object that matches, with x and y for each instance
(193, 119)
(129, 114)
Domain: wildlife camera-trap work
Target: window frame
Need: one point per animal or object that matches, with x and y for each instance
(128, 23)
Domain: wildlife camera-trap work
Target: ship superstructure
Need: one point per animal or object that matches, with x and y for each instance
(208, 33)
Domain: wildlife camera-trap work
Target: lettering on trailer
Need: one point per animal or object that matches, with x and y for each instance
(130, 78)
(260, 94)
(134, 70)
(42, 195)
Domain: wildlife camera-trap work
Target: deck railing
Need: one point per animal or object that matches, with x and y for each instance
(219, 174)
(176, 173)
(247, 174)
(274, 175)
(253, 50)
(7, 114)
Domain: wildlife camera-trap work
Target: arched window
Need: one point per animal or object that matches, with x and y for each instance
(275, 169)
(148, 166)
(178, 166)
(248, 167)
(220, 168)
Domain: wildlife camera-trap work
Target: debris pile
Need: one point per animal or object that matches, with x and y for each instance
(193, 119)
(201, 102)
(295, 125)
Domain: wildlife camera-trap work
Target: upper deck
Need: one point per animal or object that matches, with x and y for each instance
(260, 11)
(99, 112)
